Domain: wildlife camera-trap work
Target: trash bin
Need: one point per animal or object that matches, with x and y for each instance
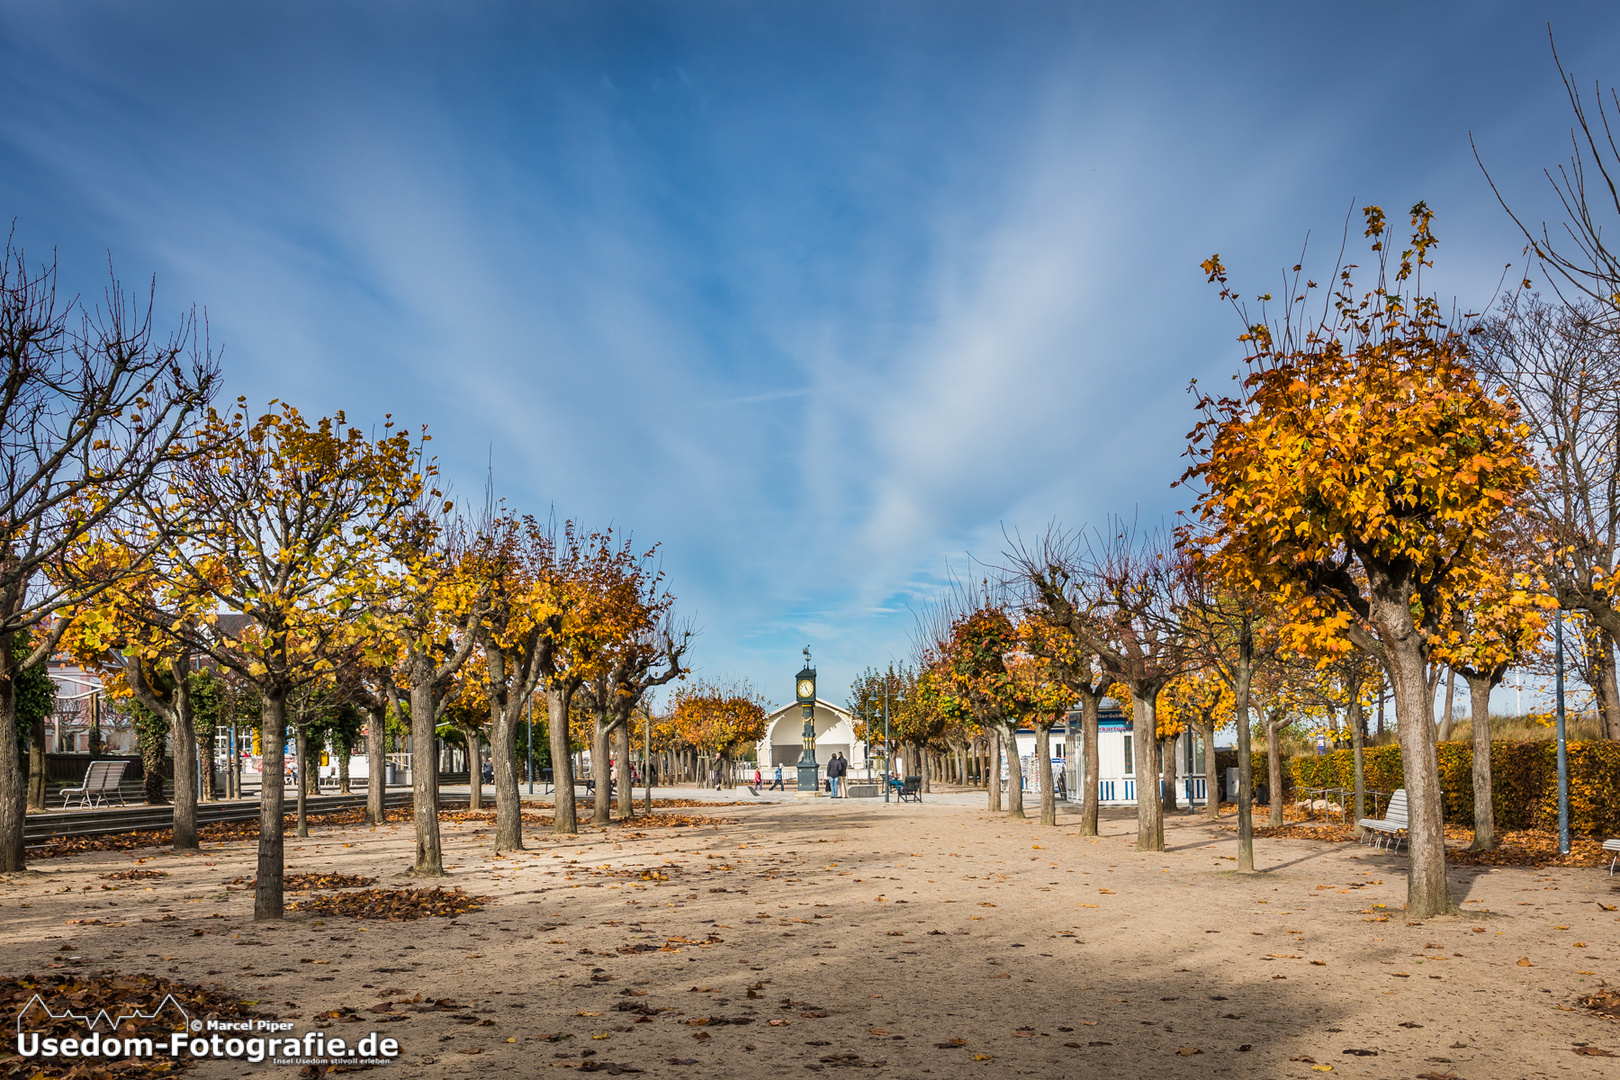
(391, 774)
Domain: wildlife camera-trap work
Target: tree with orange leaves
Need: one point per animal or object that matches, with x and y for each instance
(719, 719)
(1356, 476)
(589, 601)
(975, 657)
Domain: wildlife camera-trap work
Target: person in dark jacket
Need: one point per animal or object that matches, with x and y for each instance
(836, 768)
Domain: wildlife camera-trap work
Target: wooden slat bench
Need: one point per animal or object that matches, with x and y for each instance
(909, 789)
(1392, 825)
(101, 781)
(1614, 846)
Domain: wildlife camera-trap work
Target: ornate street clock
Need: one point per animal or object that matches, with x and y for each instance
(805, 691)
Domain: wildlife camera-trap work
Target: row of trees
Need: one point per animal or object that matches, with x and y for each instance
(315, 567)
(1388, 492)
(1358, 507)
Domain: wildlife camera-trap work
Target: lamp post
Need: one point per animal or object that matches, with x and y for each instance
(805, 691)
(887, 749)
(866, 717)
(1563, 747)
(530, 742)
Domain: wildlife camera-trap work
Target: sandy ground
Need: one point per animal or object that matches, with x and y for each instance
(853, 934)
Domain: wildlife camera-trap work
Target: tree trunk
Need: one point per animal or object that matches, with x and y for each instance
(1479, 708)
(1446, 718)
(1242, 674)
(267, 896)
(1167, 755)
(1426, 888)
(503, 757)
(1149, 815)
(1212, 786)
(602, 769)
(93, 736)
(183, 738)
(36, 764)
(1015, 773)
(475, 769)
(1358, 741)
(150, 745)
(205, 767)
(343, 769)
(1274, 769)
(13, 797)
(993, 738)
(301, 744)
(425, 777)
(1603, 662)
(377, 763)
(627, 795)
(1091, 762)
(1159, 748)
(564, 818)
(1043, 750)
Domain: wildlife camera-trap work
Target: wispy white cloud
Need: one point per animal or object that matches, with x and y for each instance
(818, 305)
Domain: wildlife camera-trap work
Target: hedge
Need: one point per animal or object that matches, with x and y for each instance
(1524, 781)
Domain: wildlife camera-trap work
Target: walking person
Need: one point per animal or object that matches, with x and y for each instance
(776, 784)
(759, 782)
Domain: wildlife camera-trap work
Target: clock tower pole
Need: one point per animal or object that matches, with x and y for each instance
(805, 692)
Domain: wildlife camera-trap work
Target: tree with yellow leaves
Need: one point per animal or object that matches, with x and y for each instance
(1044, 697)
(1355, 476)
(516, 559)
(1200, 698)
(421, 612)
(124, 628)
(283, 531)
(1490, 626)
(1077, 670)
(466, 711)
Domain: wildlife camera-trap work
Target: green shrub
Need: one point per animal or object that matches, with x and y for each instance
(1524, 781)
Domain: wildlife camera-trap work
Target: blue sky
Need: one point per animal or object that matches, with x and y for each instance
(821, 296)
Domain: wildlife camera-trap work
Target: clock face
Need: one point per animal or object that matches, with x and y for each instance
(807, 689)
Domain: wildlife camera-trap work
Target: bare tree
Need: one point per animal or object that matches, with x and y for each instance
(1562, 364)
(1118, 592)
(93, 408)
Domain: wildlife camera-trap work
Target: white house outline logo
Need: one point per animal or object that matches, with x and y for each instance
(94, 1023)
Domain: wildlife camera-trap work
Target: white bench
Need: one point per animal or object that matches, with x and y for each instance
(1387, 830)
(1614, 846)
(100, 781)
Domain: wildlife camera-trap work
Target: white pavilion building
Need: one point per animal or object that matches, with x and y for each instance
(784, 740)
